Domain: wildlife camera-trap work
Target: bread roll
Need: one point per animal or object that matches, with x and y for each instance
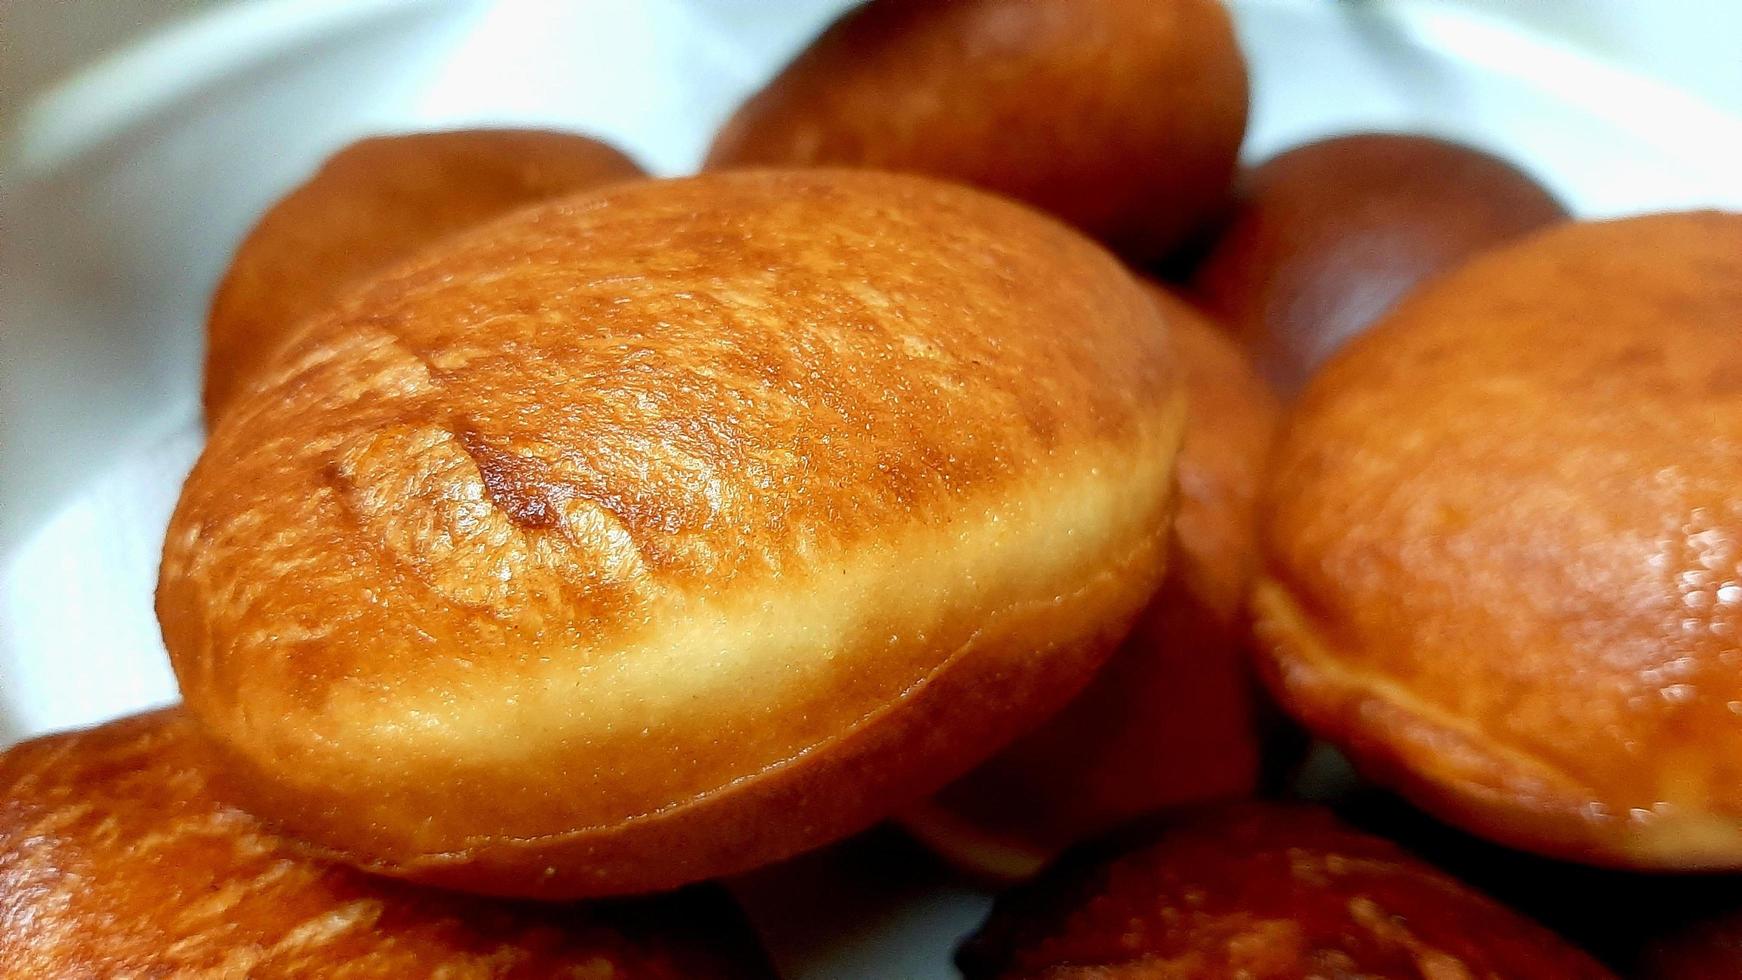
(1503, 546)
(1170, 719)
(117, 860)
(1123, 117)
(666, 531)
(1326, 237)
(1261, 891)
(370, 205)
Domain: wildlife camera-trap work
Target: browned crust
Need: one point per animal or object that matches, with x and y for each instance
(116, 859)
(1124, 117)
(1170, 719)
(1324, 239)
(1258, 890)
(1444, 762)
(669, 530)
(1501, 558)
(374, 203)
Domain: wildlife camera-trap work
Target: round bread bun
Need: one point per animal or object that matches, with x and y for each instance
(1170, 720)
(117, 860)
(1258, 890)
(663, 532)
(1123, 117)
(370, 205)
(1325, 238)
(1502, 555)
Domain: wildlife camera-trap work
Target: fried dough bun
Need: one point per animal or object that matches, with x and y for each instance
(370, 205)
(1502, 556)
(1170, 720)
(1327, 237)
(663, 532)
(1123, 117)
(1260, 891)
(117, 859)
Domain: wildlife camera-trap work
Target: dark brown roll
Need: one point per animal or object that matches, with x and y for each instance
(1502, 546)
(1170, 720)
(1123, 117)
(1707, 949)
(1327, 237)
(672, 529)
(370, 205)
(1265, 891)
(117, 860)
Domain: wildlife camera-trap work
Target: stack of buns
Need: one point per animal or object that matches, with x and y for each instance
(567, 539)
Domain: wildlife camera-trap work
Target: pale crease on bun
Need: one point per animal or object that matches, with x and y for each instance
(1171, 719)
(374, 203)
(1502, 547)
(117, 859)
(672, 529)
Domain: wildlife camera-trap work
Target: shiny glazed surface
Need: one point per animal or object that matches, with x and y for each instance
(1123, 117)
(1503, 545)
(672, 529)
(370, 205)
(1262, 891)
(1327, 237)
(117, 860)
(1170, 719)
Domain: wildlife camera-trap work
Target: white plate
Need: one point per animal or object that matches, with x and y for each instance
(124, 189)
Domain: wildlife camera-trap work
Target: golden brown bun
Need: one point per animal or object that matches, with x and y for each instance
(1124, 117)
(1326, 237)
(1260, 891)
(1503, 545)
(116, 860)
(370, 205)
(1170, 719)
(666, 531)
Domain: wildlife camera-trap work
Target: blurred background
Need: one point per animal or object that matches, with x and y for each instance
(1692, 43)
